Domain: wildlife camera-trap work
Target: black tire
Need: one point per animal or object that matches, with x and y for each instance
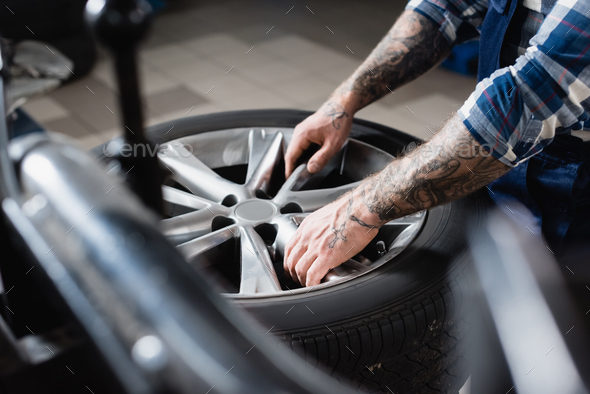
(395, 329)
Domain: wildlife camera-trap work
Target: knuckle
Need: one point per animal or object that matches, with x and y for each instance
(312, 277)
(290, 245)
(324, 254)
(299, 270)
(331, 147)
(288, 259)
(300, 128)
(320, 157)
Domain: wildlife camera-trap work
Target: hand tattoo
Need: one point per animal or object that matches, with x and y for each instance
(338, 235)
(335, 111)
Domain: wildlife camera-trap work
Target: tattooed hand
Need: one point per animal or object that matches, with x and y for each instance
(326, 239)
(449, 166)
(329, 127)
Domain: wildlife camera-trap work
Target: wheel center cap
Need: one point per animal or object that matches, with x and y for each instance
(255, 210)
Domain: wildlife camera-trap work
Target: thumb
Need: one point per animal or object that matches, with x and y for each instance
(297, 146)
(321, 158)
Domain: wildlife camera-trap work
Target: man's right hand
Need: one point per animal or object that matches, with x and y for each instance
(329, 127)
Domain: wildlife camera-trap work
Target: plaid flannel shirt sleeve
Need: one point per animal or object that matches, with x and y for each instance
(517, 111)
(458, 21)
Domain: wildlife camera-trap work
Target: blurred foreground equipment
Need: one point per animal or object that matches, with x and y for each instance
(528, 335)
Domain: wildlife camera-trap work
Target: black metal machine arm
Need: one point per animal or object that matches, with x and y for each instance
(120, 25)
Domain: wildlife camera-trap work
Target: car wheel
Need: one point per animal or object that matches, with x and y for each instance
(388, 319)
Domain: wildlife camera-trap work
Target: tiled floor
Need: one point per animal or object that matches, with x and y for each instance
(209, 56)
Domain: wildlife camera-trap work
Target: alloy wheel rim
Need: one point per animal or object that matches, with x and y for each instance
(260, 212)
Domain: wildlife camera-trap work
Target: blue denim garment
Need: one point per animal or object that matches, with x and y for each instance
(554, 186)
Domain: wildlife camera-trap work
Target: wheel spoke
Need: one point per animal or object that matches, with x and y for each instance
(184, 199)
(355, 265)
(190, 225)
(300, 176)
(412, 224)
(310, 200)
(192, 249)
(405, 237)
(285, 190)
(265, 154)
(287, 226)
(193, 174)
(258, 274)
(407, 220)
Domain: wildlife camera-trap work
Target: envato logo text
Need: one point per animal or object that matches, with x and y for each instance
(125, 149)
(464, 150)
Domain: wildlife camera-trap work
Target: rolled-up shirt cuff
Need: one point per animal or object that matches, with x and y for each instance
(436, 15)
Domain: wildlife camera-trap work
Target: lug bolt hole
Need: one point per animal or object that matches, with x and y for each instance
(230, 201)
(220, 222)
(292, 208)
(262, 194)
(267, 232)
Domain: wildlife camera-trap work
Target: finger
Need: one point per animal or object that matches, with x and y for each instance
(294, 150)
(293, 248)
(321, 158)
(317, 271)
(287, 252)
(303, 265)
(296, 253)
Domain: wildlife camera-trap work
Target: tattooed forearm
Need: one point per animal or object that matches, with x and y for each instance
(336, 112)
(449, 166)
(413, 46)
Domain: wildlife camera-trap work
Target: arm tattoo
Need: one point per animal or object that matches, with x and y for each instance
(413, 46)
(361, 222)
(335, 111)
(352, 217)
(451, 165)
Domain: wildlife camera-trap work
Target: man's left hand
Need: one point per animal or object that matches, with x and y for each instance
(328, 238)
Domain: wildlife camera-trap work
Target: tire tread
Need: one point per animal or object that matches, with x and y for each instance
(408, 348)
